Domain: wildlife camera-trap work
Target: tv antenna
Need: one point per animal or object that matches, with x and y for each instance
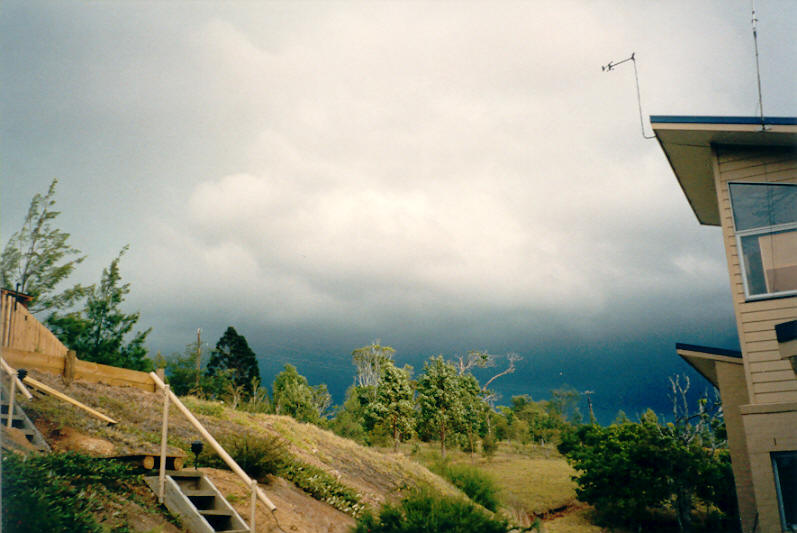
(611, 66)
(757, 69)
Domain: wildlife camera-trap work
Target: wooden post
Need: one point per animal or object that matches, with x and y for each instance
(69, 367)
(253, 507)
(161, 372)
(199, 360)
(164, 435)
(11, 401)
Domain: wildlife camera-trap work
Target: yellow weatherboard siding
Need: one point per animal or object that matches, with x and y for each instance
(770, 379)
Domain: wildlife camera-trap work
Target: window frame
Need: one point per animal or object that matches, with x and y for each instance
(762, 230)
(776, 476)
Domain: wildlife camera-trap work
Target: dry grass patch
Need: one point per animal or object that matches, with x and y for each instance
(577, 521)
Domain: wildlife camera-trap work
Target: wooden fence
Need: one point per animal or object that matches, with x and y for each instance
(22, 331)
(27, 343)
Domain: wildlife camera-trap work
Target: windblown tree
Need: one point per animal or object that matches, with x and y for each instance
(440, 399)
(293, 395)
(98, 332)
(38, 258)
(234, 356)
(369, 361)
(393, 406)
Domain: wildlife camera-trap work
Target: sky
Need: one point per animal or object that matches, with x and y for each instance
(440, 176)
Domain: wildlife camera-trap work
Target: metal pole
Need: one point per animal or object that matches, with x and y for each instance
(164, 436)
(254, 506)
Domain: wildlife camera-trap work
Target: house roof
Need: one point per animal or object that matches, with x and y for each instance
(687, 142)
(704, 359)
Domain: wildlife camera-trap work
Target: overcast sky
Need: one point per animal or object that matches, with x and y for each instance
(442, 176)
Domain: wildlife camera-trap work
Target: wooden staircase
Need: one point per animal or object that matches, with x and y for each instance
(199, 504)
(20, 421)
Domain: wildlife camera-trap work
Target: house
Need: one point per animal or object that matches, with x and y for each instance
(740, 173)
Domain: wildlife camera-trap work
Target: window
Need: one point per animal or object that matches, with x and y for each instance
(784, 466)
(765, 216)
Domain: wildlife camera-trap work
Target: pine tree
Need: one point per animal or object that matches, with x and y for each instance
(233, 353)
(97, 332)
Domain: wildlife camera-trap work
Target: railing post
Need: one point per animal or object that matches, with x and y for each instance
(11, 400)
(254, 506)
(164, 436)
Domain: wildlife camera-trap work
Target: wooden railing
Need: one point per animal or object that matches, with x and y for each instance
(169, 396)
(16, 383)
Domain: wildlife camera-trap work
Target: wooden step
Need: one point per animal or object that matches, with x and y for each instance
(192, 496)
(215, 512)
(198, 492)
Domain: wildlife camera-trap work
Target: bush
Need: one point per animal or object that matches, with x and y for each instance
(60, 492)
(489, 446)
(479, 486)
(322, 486)
(626, 470)
(423, 510)
(258, 455)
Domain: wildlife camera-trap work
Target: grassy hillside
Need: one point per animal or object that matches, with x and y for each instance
(533, 482)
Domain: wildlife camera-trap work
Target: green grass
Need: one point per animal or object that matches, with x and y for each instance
(475, 482)
(63, 492)
(531, 479)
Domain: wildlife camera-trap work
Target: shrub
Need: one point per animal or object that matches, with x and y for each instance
(322, 486)
(423, 510)
(204, 407)
(489, 446)
(258, 455)
(60, 492)
(479, 486)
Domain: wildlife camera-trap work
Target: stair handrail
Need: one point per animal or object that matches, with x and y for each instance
(16, 383)
(13, 375)
(169, 396)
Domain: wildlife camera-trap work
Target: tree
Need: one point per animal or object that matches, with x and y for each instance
(564, 403)
(185, 370)
(350, 418)
(474, 408)
(233, 353)
(97, 332)
(295, 397)
(369, 361)
(483, 359)
(36, 260)
(393, 405)
(440, 399)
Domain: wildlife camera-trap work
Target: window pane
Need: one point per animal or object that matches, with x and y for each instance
(757, 205)
(785, 466)
(770, 262)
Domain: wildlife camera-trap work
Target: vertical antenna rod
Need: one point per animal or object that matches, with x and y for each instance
(757, 68)
(632, 59)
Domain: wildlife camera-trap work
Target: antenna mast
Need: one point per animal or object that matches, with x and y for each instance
(632, 59)
(757, 68)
